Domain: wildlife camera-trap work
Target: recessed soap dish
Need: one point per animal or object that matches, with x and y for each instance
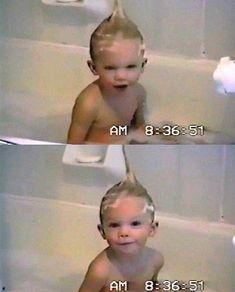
(108, 157)
(85, 155)
(64, 2)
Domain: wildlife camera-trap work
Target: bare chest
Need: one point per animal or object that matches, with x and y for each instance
(116, 111)
(132, 279)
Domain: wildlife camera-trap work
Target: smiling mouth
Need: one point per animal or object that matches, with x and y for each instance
(126, 243)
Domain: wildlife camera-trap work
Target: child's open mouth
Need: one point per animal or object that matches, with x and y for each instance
(124, 86)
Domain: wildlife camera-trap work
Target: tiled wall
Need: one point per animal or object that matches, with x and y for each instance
(1, 33)
(173, 26)
(1, 238)
(1, 18)
(229, 187)
(192, 181)
(189, 180)
(219, 32)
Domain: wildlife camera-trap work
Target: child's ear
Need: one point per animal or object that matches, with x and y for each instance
(101, 230)
(144, 62)
(154, 226)
(91, 65)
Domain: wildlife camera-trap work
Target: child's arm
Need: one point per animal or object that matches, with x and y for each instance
(138, 121)
(95, 278)
(159, 262)
(84, 113)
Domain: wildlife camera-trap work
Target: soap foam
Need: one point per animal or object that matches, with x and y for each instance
(117, 26)
(128, 187)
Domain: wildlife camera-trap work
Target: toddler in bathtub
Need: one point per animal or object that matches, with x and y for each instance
(127, 219)
(116, 97)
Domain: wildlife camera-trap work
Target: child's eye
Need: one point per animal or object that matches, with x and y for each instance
(109, 68)
(113, 225)
(136, 223)
(132, 66)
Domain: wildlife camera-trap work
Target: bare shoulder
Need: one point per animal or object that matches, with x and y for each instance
(100, 265)
(157, 258)
(89, 97)
(97, 274)
(140, 92)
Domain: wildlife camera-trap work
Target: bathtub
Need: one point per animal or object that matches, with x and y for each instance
(40, 81)
(46, 246)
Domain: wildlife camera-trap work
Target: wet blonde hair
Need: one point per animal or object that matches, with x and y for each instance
(129, 187)
(117, 23)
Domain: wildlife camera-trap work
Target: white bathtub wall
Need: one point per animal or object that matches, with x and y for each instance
(38, 172)
(31, 19)
(43, 248)
(47, 70)
(229, 187)
(165, 27)
(1, 19)
(1, 59)
(189, 181)
(182, 91)
(199, 181)
(1, 34)
(173, 26)
(2, 228)
(40, 84)
(3, 238)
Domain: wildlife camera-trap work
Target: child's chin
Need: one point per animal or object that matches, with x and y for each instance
(128, 249)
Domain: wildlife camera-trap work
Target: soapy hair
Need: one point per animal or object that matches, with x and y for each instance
(129, 187)
(117, 23)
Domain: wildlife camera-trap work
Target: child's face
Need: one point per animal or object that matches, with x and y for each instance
(120, 64)
(127, 224)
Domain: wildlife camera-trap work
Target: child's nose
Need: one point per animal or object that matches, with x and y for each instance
(124, 231)
(123, 235)
(120, 74)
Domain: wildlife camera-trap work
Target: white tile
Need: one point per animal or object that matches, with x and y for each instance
(219, 31)
(229, 186)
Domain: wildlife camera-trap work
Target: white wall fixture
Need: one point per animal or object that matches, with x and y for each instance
(85, 154)
(64, 2)
(96, 6)
(224, 76)
(108, 157)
